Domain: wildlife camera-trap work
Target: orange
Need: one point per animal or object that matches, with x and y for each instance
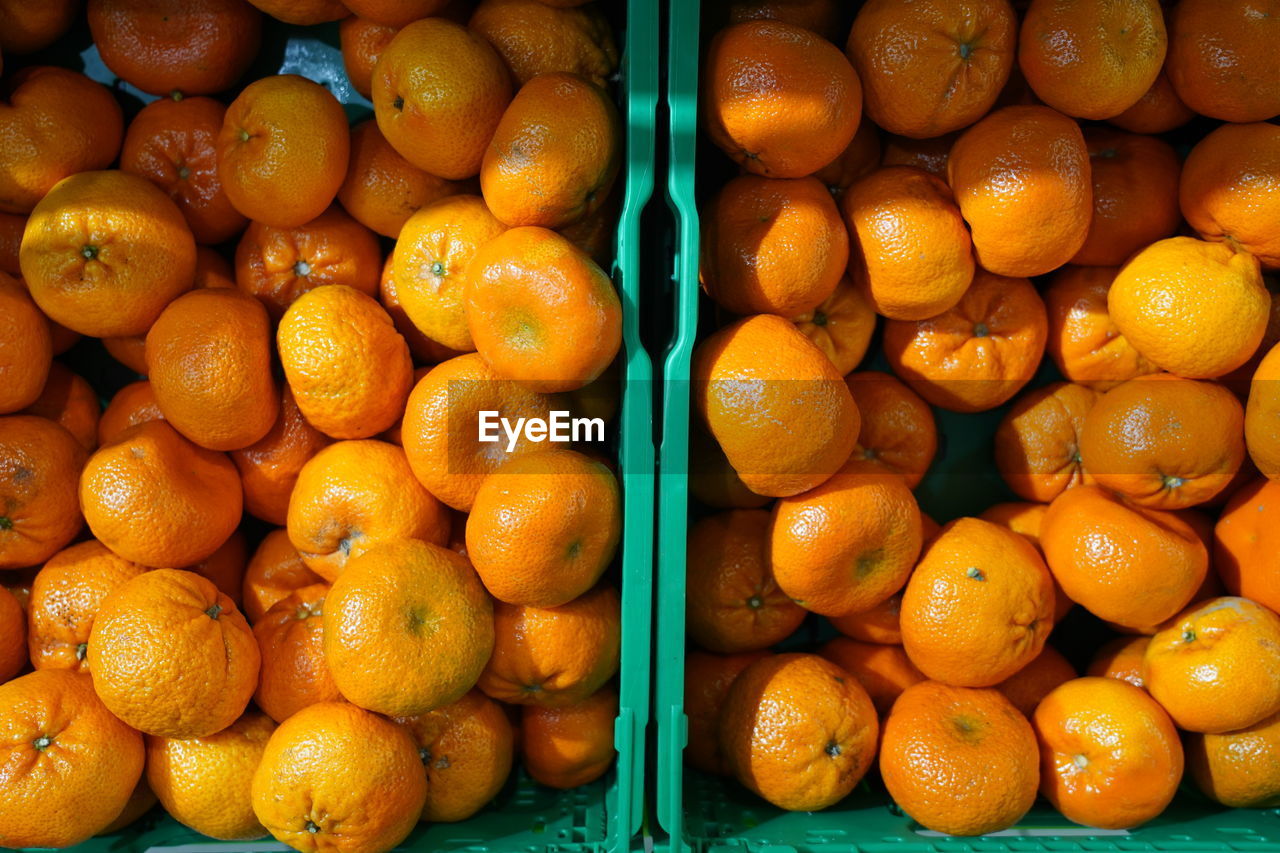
(408, 627)
(269, 467)
(780, 100)
(26, 347)
(841, 325)
(879, 624)
(362, 42)
(932, 67)
(172, 144)
(440, 433)
(65, 597)
(1164, 442)
(536, 38)
(930, 154)
(382, 189)
(164, 46)
(150, 633)
(133, 404)
(554, 656)
(594, 234)
(979, 353)
(348, 367)
(1135, 192)
(1084, 341)
(544, 526)
(1214, 291)
(338, 772)
(25, 28)
(395, 13)
(1093, 59)
(978, 606)
(283, 150)
(1222, 58)
(795, 426)
(140, 802)
(423, 348)
(1020, 517)
(69, 400)
(13, 635)
(846, 545)
(290, 637)
(732, 601)
(772, 246)
(1029, 685)
(431, 261)
(104, 252)
(70, 766)
(712, 479)
(303, 12)
(911, 251)
(1216, 667)
(11, 227)
(822, 16)
(1110, 756)
(129, 350)
(885, 671)
(467, 748)
(40, 463)
(1230, 189)
(707, 679)
(1122, 658)
(1126, 563)
(209, 364)
(73, 123)
(1158, 111)
(1238, 769)
(353, 495)
(1245, 544)
(540, 311)
(1037, 444)
(1021, 179)
(798, 731)
(958, 760)
(569, 746)
(1260, 420)
(204, 782)
(275, 572)
(859, 159)
(155, 498)
(226, 567)
(439, 91)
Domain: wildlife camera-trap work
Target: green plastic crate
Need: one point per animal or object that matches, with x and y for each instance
(605, 815)
(709, 814)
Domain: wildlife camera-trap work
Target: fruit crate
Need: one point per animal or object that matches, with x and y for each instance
(707, 814)
(605, 815)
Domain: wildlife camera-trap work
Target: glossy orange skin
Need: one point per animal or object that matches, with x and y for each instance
(104, 252)
(1037, 444)
(69, 400)
(1158, 111)
(269, 467)
(13, 635)
(467, 749)
(772, 246)
(570, 746)
(150, 633)
(26, 347)
(164, 46)
(732, 600)
(780, 100)
(156, 498)
(294, 673)
(362, 42)
(424, 349)
(283, 150)
(1110, 756)
(707, 679)
(65, 597)
(885, 671)
(274, 572)
(74, 785)
(1222, 58)
(133, 404)
(375, 644)
(1121, 658)
(959, 760)
(881, 624)
(536, 38)
(978, 354)
(554, 656)
(74, 123)
(25, 28)
(798, 730)
(859, 159)
(541, 312)
(342, 773)
(354, 495)
(40, 464)
(1230, 189)
(1084, 341)
(452, 89)
(1168, 443)
(1029, 685)
(841, 326)
(1244, 543)
(1129, 564)
(1238, 769)
(799, 423)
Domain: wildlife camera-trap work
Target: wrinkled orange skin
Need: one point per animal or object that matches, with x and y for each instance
(1037, 444)
(157, 627)
(1230, 189)
(570, 746)
(54, 123)
(885, 671)
(1238, 769)
(1222, 57)
(133, 404)
(362, 43)
(1245, 542)
(1029, 685)
(424, 349)
(841, 325)
(73, 786)
(26, 347)
(13, 635)
(294, 672)
(26, 27)
(880, 624)
(274, 572)
(40, 464)
(733, 603)
(269, 467)
(1083, 339)
(536, 38)
(707, 679)
(1121, 658)
(69, 400)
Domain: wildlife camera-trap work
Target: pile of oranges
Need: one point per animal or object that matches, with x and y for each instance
(1085, 190)
(280, 584)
